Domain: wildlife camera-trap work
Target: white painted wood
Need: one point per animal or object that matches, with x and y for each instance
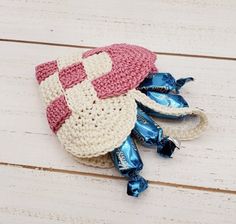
(26, 139)
(33, 196)
(190, 27)
(172, 26)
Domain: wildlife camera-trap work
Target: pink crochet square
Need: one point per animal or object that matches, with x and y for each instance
(44, 70)
(57, 112)
(130, 65)
(72, 75)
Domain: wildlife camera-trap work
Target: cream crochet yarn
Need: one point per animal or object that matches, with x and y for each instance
(91, 100)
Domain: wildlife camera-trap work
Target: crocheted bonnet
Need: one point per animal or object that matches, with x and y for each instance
(91, 100)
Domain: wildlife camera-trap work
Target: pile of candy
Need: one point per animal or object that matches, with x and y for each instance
(164, 90)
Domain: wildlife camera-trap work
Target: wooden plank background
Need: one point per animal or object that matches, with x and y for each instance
(63, 198)
(173, 26)
(41, 183)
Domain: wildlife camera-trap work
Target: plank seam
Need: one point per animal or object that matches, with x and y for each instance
(153, 182)
(92, 47)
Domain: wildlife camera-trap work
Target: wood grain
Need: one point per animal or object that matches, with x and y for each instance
(45, 197)
(26, 138)
(41, 183)
(173, 26)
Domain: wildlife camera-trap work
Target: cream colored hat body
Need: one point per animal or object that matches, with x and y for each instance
(91, 100)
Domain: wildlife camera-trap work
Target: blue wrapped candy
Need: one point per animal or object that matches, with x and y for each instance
(128, 162)
(136, 185)
(169, 99)
(165, 99)
(149, 133)
(160, 87)
(163, 82)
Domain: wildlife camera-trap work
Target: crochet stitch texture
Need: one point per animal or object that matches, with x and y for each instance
(91, 100)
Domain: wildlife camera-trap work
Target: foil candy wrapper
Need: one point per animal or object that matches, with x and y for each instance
(149, 133)
(165, 99)
(128, 162)
(169, 99)
(168, 146)
(163, 82)
(136, 185)
(160, 87)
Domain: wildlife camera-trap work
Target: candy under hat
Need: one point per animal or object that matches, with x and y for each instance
(91, 100)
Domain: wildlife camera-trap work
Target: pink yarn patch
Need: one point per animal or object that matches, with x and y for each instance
(44, 70)
(130, 65)
(57, 112)
(72, 75)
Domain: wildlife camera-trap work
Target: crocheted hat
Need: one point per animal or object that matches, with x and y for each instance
(91, 100)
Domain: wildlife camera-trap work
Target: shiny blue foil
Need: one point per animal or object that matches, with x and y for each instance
(163, 82)
(126, 158)
(169, 99)
(136, 186)
(167, 146)
(128, 162)
(149, 133)
(181, 82)
(146, 130)
(165, 99)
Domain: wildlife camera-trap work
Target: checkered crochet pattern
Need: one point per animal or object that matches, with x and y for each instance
(91, 99)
